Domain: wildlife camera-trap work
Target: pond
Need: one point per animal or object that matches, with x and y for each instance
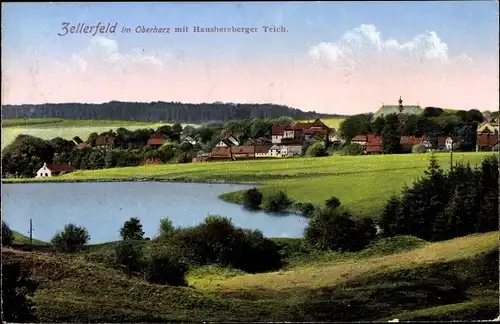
(103, 207)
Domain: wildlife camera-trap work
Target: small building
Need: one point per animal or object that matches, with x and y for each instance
(221, 152)
(262, 150)
(487, 142)
(51, 170)
(243, 151)
(275, 150)
(156, 140)
(488, 127)
(277, 133)
(373, 144)
(360, 139)
(190, 140)
(291, 147)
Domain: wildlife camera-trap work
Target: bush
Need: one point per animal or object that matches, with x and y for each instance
(333, 229)
(132, 230)
(167, 228)
(71, 239)
(277, 202)
(252, 198)
(7, 234)
(332, 202)
(163, 268)
(16, 286)
(352, 149)
(217, 240)
(129, 255)
(306, 209)
(419, 148)
(316, 149)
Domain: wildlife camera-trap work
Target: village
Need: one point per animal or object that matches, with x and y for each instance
(286, 140)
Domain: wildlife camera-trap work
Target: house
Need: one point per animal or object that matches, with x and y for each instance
(51, 170)
(487, 142)
(448, 142)
(426, 142)
(407, 142)
(275, 150)
(156, 140)
(221, 152)
(243, 151)
(488, 127)
(262, 150)
(373, 144)
(400, 110)
(277, 133)
(105, 141)
(291, 147)
(190, 140)
(224, 143)
(201, 158)
(316, 127)
(360, 139)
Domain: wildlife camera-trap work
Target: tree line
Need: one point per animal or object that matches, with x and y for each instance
(154, 111)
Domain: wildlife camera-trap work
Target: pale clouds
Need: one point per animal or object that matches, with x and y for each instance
(366, 46)
(104, 54)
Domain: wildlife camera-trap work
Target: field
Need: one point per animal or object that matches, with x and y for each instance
(48, 128)
(333, 122)
(362, 183)
(450, 280)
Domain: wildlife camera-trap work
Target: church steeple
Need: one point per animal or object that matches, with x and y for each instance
(400, 106)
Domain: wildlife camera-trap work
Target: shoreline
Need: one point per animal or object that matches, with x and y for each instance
(29, 180)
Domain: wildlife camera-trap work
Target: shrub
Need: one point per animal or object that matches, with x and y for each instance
(277, 202)
(333, 229)
(132, 230)
(419, 148)
(7, 234)
(129, 255)
(252, 198)
(332, 202)
(16, 286)
(306, 209)
(163, 268)
(167, 228)
(71, 239)
(352, 149)
(217, 240)
(316, 149)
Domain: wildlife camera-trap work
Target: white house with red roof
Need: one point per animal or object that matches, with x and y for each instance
(50, 170)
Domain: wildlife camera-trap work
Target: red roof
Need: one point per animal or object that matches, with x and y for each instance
(244, 149)
(278, 129)
(157, 136)
(221, 151)
(263, 148)
(410, 140)
(60, 167)
(374, 143)
(156, 141)
(487, 140)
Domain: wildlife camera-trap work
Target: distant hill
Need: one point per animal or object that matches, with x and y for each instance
(155, 111)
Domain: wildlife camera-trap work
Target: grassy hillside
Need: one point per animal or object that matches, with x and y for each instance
(332, 122)
(48, 128)
(23, 239)
(362, 183)
(455, 279)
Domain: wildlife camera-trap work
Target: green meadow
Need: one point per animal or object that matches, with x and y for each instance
(48, 128)
(362, 183)
(332, 122)
(401, 277)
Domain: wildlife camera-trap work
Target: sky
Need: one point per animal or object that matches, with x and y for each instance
(331, 57)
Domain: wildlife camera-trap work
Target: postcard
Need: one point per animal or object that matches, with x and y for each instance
(304, 161)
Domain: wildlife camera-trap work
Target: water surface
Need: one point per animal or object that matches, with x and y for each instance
(103, 207)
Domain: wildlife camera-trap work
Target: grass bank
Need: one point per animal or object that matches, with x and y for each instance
(48, 128)
(362, 183)
(402, 277)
